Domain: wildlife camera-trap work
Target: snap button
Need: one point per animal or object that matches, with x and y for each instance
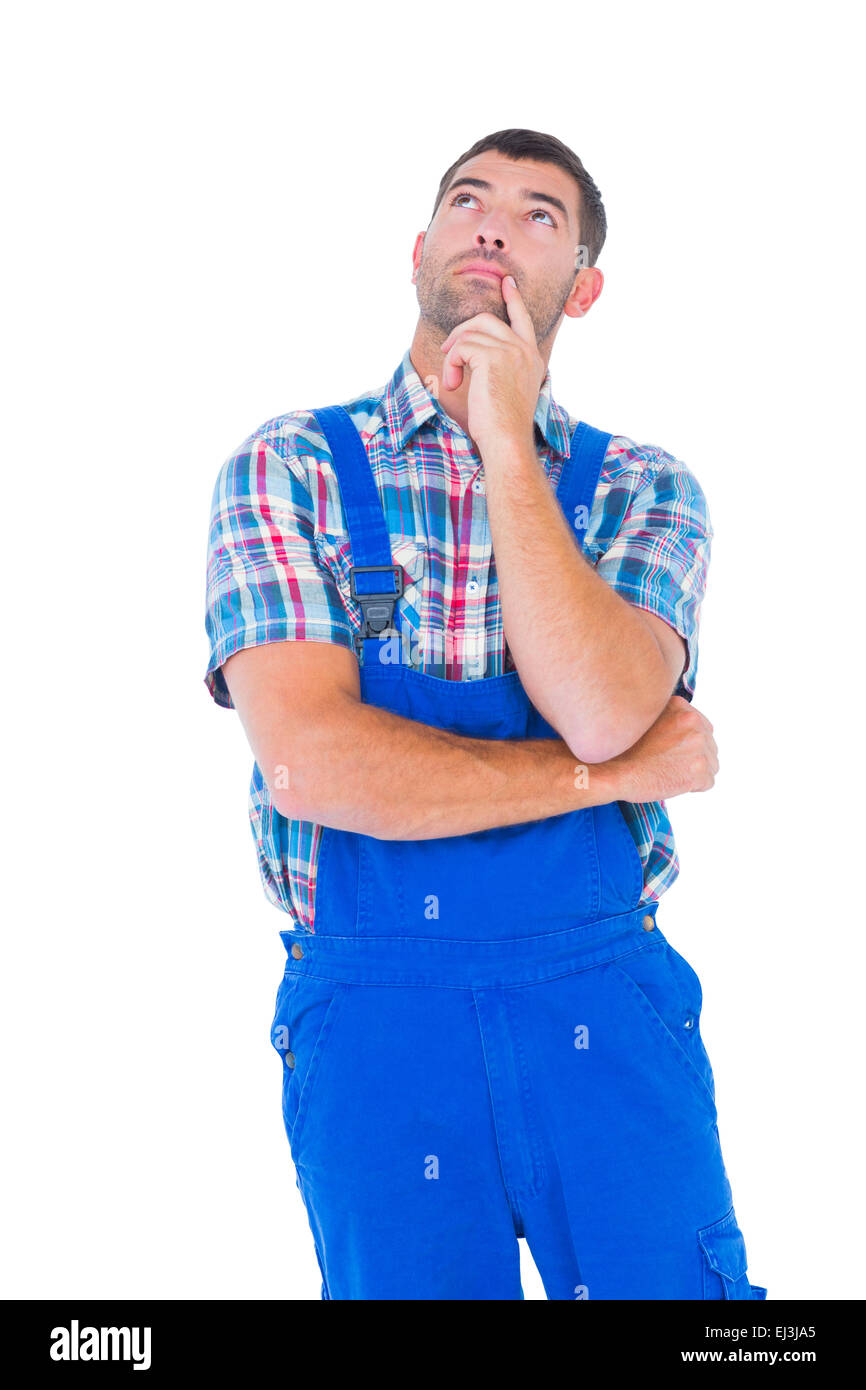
(296, 951)
(689, 1022)
(290, 1060)
(648, 922)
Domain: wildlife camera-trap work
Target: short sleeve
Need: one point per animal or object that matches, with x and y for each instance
(265, 579)
(653, 540)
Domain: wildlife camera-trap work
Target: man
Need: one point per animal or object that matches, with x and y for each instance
(459, 786)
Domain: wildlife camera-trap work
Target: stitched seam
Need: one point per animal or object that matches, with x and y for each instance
(476, 984)
(539, 1171)
(510, 1195)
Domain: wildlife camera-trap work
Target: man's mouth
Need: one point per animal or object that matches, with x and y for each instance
(488, 272)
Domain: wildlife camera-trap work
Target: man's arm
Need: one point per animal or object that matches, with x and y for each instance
(596, 667)
(329, 758)
(599, 672)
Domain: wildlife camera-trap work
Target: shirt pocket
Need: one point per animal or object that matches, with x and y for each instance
(411, 556)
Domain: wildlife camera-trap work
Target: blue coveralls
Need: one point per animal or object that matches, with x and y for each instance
(486, 1036)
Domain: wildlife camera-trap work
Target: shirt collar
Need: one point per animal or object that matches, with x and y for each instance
(407, 405)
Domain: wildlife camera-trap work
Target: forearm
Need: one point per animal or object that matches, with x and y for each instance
(364, 769)
(586, 658)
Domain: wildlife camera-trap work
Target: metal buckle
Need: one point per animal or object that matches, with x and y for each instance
(377, 607)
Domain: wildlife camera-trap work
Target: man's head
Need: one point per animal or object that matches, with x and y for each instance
(523, 204)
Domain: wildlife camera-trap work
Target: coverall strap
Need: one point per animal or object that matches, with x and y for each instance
(579, 477)
(376, 582)
(365, 518)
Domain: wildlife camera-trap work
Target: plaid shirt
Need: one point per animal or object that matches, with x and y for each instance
(278, 569)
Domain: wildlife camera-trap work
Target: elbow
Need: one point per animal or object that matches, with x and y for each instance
(304, 781)
(594, 746)
(594, 741)
(310, 797)
(290, 787)
(287, 804)
(598, 746)
(318, 772)
(298, 784)
(613, 730)
(604, 739)
(290, 806)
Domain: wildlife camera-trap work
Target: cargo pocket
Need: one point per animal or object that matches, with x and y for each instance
(724, 1255)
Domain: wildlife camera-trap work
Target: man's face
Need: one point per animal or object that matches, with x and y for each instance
(508, 225)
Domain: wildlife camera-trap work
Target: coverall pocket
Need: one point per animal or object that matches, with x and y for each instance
(668, 994)
(724, 1252)
(307, 1015)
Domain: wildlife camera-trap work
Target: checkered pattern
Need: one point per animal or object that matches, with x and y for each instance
(278, 569)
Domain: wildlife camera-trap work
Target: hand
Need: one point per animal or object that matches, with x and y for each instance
(506, 371)
(676, 754)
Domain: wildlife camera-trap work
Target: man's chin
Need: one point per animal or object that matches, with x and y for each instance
(487, 304)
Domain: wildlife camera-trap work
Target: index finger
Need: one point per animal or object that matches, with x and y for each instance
(517, 311)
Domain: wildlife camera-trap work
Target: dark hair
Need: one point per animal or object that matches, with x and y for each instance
(531, 144)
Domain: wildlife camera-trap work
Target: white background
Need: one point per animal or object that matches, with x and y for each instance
(213, 216)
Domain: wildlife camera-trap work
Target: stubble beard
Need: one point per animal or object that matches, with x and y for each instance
(446, 300)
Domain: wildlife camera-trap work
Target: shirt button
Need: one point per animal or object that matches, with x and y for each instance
(290, 1060)
(648, 923)
(473, 586)
(296, 951)
(478, 486)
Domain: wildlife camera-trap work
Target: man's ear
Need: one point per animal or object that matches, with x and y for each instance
(588, 285)
(416, 254)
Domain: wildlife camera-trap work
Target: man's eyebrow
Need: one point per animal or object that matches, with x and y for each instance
(526, 193)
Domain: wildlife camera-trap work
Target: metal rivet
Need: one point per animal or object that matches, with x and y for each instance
(296, 951)
(648, 923)
(290, 1059)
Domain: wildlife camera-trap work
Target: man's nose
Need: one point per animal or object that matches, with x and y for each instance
(491, 239)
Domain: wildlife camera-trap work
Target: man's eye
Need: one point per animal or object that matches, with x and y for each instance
(455, 203)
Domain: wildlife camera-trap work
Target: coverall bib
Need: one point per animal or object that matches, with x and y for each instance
(487, 1036)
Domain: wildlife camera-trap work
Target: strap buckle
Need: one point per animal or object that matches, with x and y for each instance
(377, 604)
